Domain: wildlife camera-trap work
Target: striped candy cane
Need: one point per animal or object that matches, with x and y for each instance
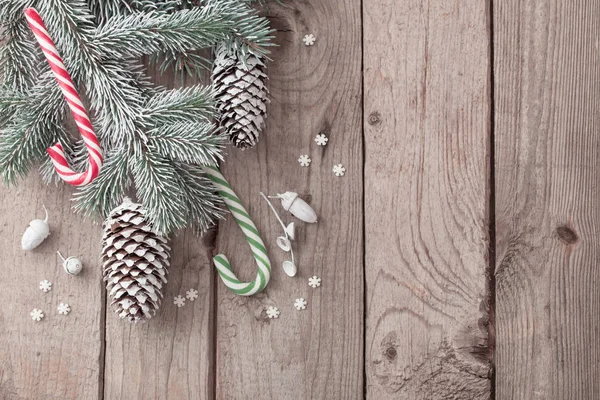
(252, 236)
(77, 109)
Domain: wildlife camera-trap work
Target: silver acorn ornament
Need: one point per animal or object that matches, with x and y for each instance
(71, 265)
(298, 207)
(36, 232)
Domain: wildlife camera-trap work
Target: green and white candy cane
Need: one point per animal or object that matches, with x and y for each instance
(257, 246)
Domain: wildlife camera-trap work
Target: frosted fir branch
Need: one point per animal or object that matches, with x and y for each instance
(157, 186)
(192, 143)
(106, 191)
(187, 63)
(185, 104)
(18, 56)
(203, 203)
(153, 32)
(11, 11)
(71, 26)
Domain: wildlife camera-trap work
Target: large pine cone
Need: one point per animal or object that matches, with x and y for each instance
(242, 96)
(135, 261)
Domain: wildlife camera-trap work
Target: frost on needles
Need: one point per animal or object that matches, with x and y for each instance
(154, 140)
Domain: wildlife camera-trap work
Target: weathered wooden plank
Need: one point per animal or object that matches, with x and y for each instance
(316, 353)
(171, 356)
(427, 136)
(60, 356)
(547, 85)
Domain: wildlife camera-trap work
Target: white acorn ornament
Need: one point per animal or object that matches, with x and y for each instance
(290, 230)
(36, 232)
(284, 242)
(289, 268)
(298, 207)
(71, 265)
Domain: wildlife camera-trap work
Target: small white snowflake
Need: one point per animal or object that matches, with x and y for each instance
(300, 304)
(309, 39)
(339, 170)
(63, 308)
(321, 139)
(191, 294)
(179, 301)
(273, 312)
(304, 161)
(314, 282)
(45, 286)
(36, 314)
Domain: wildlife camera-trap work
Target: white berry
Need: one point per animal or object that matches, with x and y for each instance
(179, 301)
(36, 314)
(339, 170)
(309, 39)
(273, 312)
(300, 304)
(63, 308)
(321, 139)
(45, 286)
(304, 161)
(314, 282)
(191, 294)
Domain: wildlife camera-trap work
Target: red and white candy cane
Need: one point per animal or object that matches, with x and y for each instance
(77, 109)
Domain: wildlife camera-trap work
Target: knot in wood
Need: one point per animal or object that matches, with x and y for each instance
(567, 235)
(375, 118)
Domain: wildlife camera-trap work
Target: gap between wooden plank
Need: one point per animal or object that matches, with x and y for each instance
(492, 210)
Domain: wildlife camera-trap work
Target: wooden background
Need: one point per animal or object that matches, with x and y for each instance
(458, 253)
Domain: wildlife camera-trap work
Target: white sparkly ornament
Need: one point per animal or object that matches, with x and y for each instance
(339, 170)
(36, 232)
(36, 314)
(321, 139)
(273, 312)
(314, 282)
(63, 308)
(191, 294)
(300, 304)
(304, 161)
(45, 286)
(298, 207)
(309, 39)
(71, 265)
(179, 301)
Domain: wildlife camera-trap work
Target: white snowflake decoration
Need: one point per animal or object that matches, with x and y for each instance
(300, 304)
(304, 161)
(191, 294)
(63, 308)
(273, 312)
(36, 314)
(45, 286)
(321, 139)
(314, 282)
(179, 301)
(309, 39)
(339, 170)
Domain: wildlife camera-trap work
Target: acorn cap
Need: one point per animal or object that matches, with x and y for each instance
(287, 199)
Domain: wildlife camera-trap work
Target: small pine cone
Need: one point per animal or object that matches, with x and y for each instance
(242, 96)
(134, 262)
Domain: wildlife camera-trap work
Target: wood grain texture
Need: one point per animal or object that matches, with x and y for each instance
(316, 353)
(172, 356)
(547, 80)
(427, 141)
(60, 356)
